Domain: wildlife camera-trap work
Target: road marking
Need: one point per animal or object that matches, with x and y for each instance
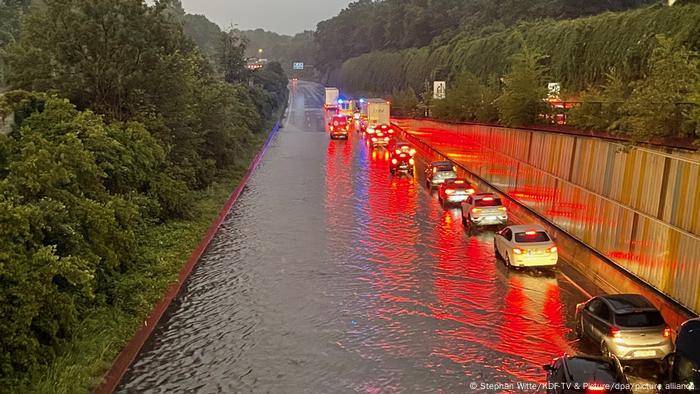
(576, 285)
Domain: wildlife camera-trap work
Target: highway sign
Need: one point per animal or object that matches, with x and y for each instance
(298, 65)
(439, 90)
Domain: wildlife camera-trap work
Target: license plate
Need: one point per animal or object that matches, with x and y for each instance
(644, 353)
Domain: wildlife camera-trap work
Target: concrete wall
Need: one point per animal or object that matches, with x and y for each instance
(638, 207)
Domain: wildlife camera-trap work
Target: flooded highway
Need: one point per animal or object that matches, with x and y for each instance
(329, 275)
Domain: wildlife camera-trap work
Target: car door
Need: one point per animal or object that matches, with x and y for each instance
(600, 321)
(505, 237)
(587, 315)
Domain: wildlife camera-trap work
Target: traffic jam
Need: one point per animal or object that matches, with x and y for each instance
(626, 331)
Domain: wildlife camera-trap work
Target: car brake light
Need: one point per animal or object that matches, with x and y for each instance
(614, 332)
(434, 170)
(530, 232)
(332, 128)
(454, 168)
(394, 161)
(403, 155)
(553, 249)
(374, 139)
(398, 151)
(518, 251)
(502, 209)
(667, 332)
(596, 388)
(470, 191)
(449, 191)
(386, 139)
(459, 181)
(412, 152)
(411, 162)
(488, 198)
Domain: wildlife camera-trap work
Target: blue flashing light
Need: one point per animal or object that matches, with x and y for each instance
(340, 101)
(362, 100)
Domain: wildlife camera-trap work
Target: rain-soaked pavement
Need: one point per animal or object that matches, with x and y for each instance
(331, 276)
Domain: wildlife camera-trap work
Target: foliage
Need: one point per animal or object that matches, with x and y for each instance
(467, 99)
(11, 12)
(366, 26)
(661, 104)
(599, 107)
(136, 121)
(405, 103)
(231, 62)
(524, 89)
(580, 52)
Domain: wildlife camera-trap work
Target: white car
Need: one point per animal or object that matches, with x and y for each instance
(526, 245)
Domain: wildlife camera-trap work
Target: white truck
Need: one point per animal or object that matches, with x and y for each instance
(332, 95)
(378, 112)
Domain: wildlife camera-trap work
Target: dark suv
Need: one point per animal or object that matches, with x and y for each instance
(626, 326)
(586, 374)
(681, 369)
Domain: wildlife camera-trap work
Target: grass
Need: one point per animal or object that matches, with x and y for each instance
(103, 333)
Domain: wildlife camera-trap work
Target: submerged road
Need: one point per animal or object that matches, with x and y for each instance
(329, 275)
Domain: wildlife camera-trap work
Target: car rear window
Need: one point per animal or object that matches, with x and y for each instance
(444, 168)
(535, 236)
(494, 202)
(585, 371)
(639, 319)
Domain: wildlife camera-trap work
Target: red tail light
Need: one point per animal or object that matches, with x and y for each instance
(488, 198)
(398, 151)
(518, 251)
(667, 332)
(412, 152)
(394, 161)
(386, 139)
(459, 182)
(553, 249)
(403, 155)
(502, 209)
(332, 128)
(411, 162)
(614, 332)
(449, 191)
(470, 191)
(596, 388)
(374, 139)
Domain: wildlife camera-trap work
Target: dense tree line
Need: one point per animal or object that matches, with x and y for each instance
(366, 25)
(613, 58)
(120, 117)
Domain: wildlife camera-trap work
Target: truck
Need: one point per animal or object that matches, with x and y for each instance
(378, 113)
(332, 95)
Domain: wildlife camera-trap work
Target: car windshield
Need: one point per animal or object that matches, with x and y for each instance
(640, 319)
(531, 236)
(488, 202)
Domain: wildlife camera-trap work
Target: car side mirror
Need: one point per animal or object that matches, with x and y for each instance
(548, 368)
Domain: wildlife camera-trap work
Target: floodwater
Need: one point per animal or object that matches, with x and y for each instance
(329, 276)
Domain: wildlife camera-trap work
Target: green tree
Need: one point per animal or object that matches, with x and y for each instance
(661, 103)
(231, 61)
(463, 99)
(522, 100)
(405, 103)
(600, 106)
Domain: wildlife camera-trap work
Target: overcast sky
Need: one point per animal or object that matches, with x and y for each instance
(281, 16)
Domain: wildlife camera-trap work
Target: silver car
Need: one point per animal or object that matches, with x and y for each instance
(627, 326)
(438, 171)
(484, 209)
